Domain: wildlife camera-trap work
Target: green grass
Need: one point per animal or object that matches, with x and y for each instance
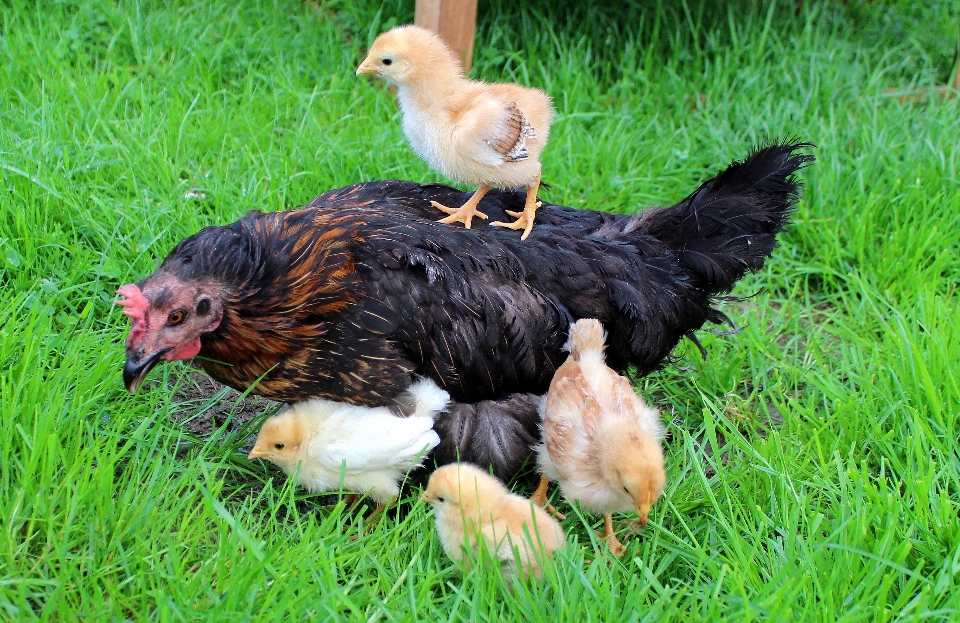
(847, 511)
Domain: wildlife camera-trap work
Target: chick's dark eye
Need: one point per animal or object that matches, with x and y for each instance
(176, 317)
(388, 61)
(203, 307)
(440, 500)
(278, 446)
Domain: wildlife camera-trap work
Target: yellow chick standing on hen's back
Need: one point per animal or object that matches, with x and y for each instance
(487, 135)
(601, 440)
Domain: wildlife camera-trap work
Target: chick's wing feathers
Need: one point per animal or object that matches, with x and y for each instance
(514, 130)
(497, 130)
(623, 399)
(574, 413)
(369, 439)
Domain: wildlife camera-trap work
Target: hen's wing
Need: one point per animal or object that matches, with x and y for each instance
(458, 307)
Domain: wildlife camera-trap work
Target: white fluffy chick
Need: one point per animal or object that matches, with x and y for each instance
(487, 135)
(601, 440)
(473, 507)
(368, 449)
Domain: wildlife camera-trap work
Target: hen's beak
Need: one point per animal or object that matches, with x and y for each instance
(256, 453)
(367, 68)
(136, 368)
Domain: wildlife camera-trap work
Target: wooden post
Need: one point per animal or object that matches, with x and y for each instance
(455, 22)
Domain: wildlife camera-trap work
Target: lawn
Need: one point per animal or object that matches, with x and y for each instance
(813, 462)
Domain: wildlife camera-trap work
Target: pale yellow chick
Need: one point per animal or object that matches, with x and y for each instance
(472, 507)
(369, 449)
(489, 135)
(601, 440)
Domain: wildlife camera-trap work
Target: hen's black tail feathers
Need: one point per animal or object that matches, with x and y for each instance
(729, 225)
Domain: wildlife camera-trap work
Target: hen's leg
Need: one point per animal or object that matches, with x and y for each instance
(524, 219)
(539, 498)
(616, 547)
(465, 213)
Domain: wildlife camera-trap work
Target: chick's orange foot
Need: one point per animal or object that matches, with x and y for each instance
(465, 213)
(616, 547)
(524, 220)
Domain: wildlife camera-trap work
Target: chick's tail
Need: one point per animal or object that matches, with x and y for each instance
(422, 399)
(587, 338)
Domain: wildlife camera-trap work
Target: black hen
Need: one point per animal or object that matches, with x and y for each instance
(352, 296)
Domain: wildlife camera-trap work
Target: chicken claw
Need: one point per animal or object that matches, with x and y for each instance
(524, 219)
(616, 547)
(465, 213)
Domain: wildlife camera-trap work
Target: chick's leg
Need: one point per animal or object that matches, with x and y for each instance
(539, 498)
(524, 219)
(616, 547)
(380, 509)
(367, 520)
(465, 213)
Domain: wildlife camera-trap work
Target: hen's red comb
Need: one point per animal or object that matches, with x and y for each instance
(135, 302)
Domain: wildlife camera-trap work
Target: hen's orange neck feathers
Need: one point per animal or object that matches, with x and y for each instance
(277, 279)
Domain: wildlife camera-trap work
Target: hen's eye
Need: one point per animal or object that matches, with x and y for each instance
(278, 446)
(627, 491)
(176, 317)
(388, 61)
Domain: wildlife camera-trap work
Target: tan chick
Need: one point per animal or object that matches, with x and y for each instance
(472, 507)
(369, 448)
(601, 440)
(487, 135)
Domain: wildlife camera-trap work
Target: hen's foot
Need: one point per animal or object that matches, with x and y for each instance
(465, 213)
(349, 502)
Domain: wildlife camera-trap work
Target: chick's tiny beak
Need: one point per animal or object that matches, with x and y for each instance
(136, 368)
(643, 513)
(425, 497)
(256, 453)
(367, 68)
(643, 509)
